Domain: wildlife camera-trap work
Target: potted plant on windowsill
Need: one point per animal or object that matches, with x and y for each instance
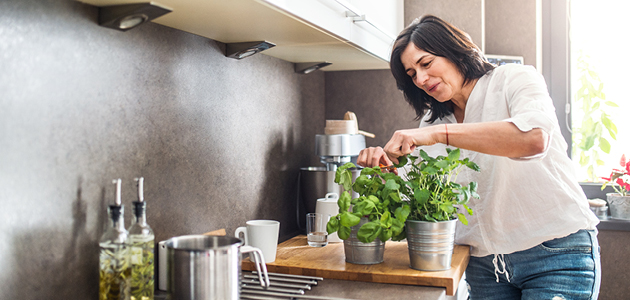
(368, 221)
(619, 179)
(435, 200)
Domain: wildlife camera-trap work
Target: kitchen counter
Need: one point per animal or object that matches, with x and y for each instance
(296, 257)
(358, 290)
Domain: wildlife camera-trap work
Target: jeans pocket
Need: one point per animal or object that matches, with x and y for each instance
(579, 242)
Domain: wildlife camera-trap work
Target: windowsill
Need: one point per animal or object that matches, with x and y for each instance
(614, 224)
(594, 190)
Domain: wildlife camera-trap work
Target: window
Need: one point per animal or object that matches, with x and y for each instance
(583, 43)
(599, 67)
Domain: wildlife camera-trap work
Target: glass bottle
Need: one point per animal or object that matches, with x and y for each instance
(141, 239)
(115, 270)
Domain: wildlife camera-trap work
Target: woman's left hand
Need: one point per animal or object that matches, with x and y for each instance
(405, 141)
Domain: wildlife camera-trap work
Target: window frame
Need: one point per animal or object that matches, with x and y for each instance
(556, 69)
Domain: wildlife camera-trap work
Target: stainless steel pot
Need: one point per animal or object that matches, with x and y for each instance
(202, 267)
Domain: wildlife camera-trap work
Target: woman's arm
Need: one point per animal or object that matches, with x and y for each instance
(499, 138)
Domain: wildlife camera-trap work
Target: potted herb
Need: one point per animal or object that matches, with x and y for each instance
(434, 197)
(375, 216)
(619, 179)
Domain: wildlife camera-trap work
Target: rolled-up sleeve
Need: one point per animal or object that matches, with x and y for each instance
(529, 104)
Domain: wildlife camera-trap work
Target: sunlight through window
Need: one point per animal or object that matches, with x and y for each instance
(599, 79)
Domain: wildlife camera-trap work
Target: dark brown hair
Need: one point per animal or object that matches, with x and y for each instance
(439, 38)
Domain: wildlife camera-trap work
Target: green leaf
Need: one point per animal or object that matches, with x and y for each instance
(422, 196)
(473, 166)
(589, 143)
(344, 232)
(611, 104)
(333, 225)
(344, 202)
(447, 207)
(386, 220)
(368, 232)
(424, 155)
(462, 219)
(604, 145)
(366, 207)
(454, 155)
(385, 235)
(348, 219)
(430, 170)
(401, 161)
(443, 164)
(401, 213)
(392, 185)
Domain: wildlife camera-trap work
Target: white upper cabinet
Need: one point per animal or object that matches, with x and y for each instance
(350, 34)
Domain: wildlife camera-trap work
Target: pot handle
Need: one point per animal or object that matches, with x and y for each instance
(259, 261)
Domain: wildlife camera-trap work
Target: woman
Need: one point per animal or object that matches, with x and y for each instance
(532, 235)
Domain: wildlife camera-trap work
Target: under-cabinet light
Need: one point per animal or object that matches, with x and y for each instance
(305, 68)
(246, 49)
(127, 16)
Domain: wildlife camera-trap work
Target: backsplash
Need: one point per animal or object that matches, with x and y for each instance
(218, 141)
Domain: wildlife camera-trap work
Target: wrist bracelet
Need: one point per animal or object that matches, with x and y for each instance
(446, 128)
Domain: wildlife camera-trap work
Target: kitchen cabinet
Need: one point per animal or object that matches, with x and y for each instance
(352, 35)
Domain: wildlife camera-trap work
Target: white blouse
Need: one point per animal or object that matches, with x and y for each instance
(523, 201)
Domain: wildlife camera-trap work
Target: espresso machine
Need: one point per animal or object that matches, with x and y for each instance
(335, 150)
(341, 144)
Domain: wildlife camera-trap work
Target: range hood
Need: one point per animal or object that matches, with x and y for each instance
(303, 31)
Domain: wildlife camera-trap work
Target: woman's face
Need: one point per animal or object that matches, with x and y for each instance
(435, 75)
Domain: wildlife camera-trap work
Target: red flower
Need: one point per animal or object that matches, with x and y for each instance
(620, 182)
(620, 177)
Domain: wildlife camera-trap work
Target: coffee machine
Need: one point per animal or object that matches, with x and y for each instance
(334, 150)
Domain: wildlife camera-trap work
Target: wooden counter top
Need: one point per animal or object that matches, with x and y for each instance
(296, 257)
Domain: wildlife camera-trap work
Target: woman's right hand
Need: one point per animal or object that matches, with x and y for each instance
(374, 156)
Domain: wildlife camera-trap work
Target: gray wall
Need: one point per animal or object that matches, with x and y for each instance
(219, 141)
(511, 28)
(466, 15)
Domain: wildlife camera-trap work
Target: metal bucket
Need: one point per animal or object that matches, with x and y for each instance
(202, 267)
(361, 253)
(619, 206)
(430, 244)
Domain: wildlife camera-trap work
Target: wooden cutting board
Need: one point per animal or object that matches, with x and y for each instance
(296, 257)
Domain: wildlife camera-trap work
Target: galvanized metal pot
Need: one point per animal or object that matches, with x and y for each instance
(430, 244)
(202, 267)
(619, 206)
(361, 253)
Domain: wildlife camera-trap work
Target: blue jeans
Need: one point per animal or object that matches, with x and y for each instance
(563, 268)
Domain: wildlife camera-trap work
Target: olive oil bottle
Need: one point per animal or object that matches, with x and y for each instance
(141, 239)
(114, 262)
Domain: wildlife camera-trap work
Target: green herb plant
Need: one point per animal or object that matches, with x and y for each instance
(431, 188)
(380, 200)
(592, 122)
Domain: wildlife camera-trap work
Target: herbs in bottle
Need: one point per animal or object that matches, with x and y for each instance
(114, 263)
(141, 239)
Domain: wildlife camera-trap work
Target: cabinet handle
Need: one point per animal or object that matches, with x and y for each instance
(357, 16)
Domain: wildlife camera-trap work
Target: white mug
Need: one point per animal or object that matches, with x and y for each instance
(262, 234)
(328, 206)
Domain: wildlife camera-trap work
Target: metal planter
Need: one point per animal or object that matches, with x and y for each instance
(430, 244)
(619, 206)
(363, 253)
